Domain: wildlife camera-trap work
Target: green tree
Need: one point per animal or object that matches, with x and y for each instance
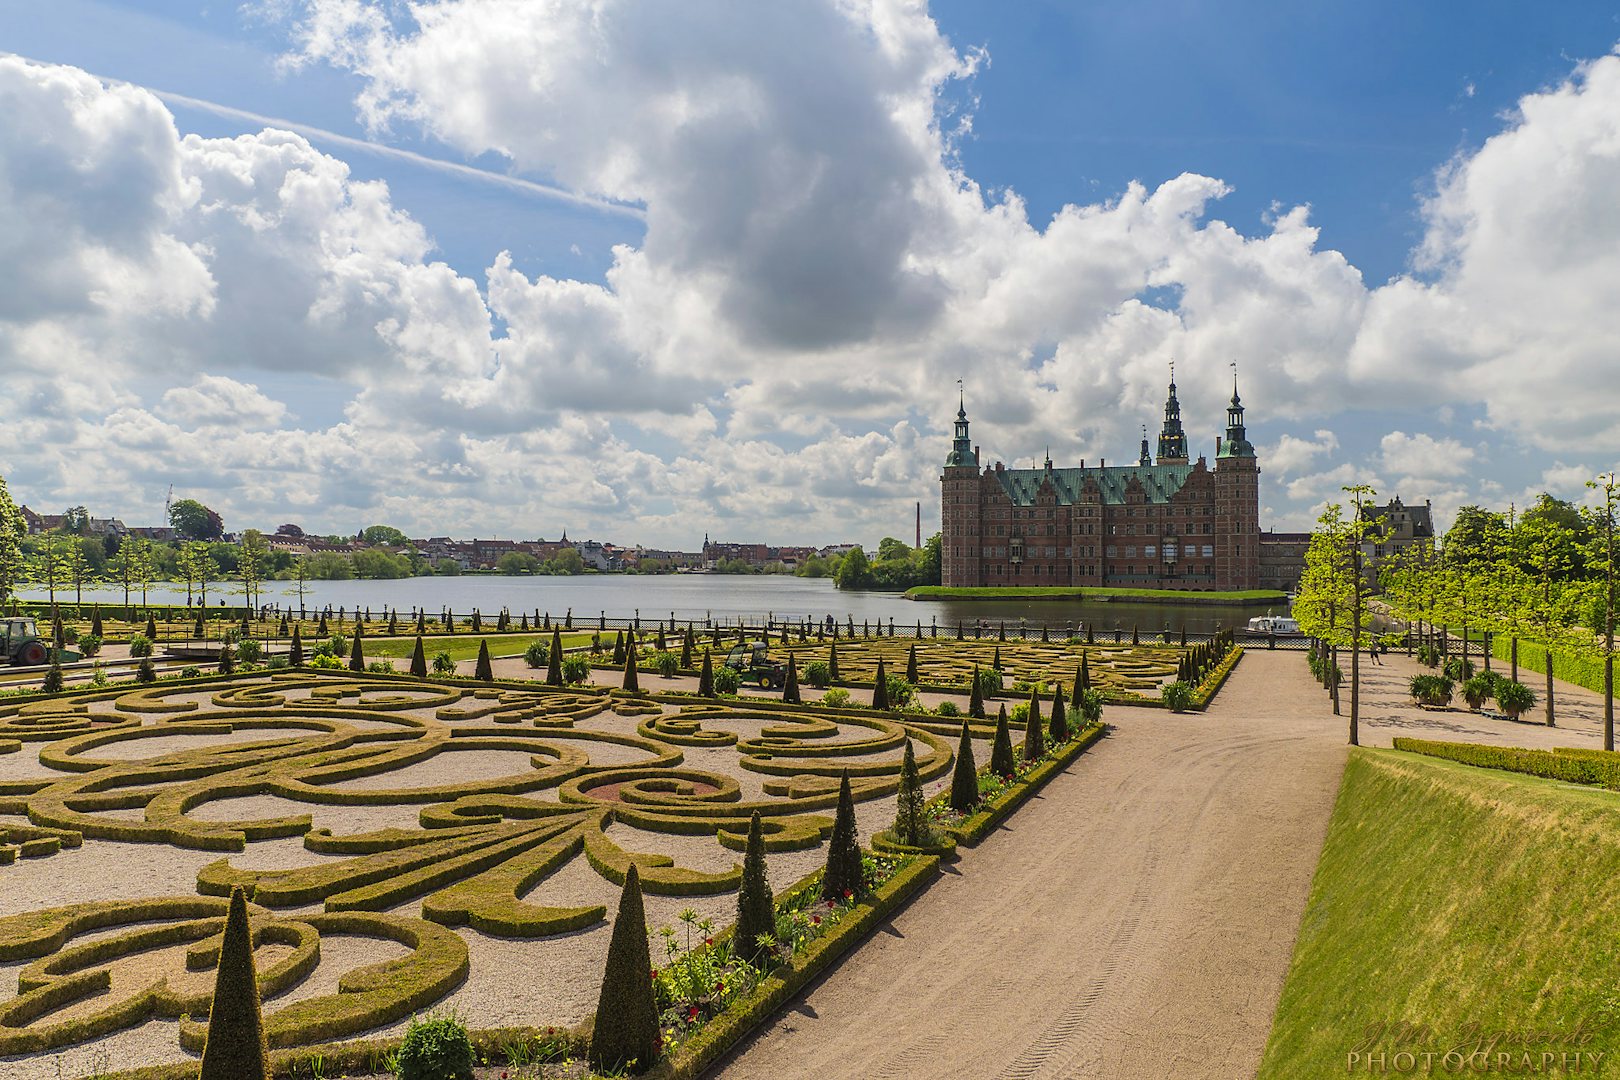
(889, 548)
(1604, 601)
(844, 874)
(250, 564)
(235, 1047)
(1545, 550)
(854, 572)
(194, 521)
(516, 562)
(1475, 536)
(756, 909)
(625, 1032)
(383, 536)
(965, 779)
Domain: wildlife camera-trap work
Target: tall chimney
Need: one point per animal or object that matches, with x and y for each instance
(919, 524)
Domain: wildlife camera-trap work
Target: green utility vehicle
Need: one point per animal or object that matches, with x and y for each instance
(753, 664)
(20, 643)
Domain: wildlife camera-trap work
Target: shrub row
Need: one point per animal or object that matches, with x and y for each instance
(1597, 767)
(996, 810)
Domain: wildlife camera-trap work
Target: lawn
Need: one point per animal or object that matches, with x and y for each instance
(465, 646)
(1180, 596)
(1450, 903)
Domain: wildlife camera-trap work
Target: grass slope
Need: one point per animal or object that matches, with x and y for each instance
(1179, 596)
(1449, 896)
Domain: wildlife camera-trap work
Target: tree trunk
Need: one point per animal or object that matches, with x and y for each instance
(1355, 687)
(1549, 690)
(1515, 660)
(1608, 702)
(1333, 679)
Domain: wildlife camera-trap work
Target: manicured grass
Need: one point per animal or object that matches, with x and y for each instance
(1447, 897)
(996, 592)
(465, 646)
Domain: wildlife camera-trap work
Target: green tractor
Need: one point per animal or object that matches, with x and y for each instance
(752, 664)
(21, 645)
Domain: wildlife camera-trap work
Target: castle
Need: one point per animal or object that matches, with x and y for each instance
(1168, 524)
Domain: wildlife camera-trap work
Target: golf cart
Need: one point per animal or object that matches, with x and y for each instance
(753, 665)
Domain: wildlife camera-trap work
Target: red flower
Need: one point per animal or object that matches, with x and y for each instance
(848, 894)
(708, 941)
(720, 987)
(692, 1012)
(833, 903)
(655, 973)
(816, 919)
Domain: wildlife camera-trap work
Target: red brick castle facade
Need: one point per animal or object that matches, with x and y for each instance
(1164, 525)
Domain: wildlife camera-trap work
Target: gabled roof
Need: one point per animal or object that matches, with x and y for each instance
(1159, 482)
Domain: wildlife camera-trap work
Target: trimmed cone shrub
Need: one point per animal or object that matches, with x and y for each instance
(295, 652)
(976, 699)
(880, 688)
(235, 1048)
(151, 628)
(618, 647)
(1034, 733)
(832, 662)
(321, 630)
(1083, 681)
(844, 872)
(484, 671)
(910, 820)
(965, 780)
(756, 909)
(996, 663)
(95, 622)
(706, 677)
(357, 656)
(625, 1035)
(911, 666)
(1001, 753)
(554, 661)
(419, 659)
(790, 686)
(686, 650)
(630, 681)
(1060, 716)
(53, 674)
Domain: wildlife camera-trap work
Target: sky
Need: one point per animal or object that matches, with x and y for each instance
(646, 272)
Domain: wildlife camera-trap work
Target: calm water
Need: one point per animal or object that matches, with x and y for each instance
(697, 597)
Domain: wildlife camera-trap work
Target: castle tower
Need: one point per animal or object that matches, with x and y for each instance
(1172, 439)
(960, 520)
(1146, 459)
(1237, 503)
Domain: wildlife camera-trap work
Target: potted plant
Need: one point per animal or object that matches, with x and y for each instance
(1431, 690)
(1514, 698)
(1476, 691)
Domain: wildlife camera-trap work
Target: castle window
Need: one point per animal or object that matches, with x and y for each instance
(1130, 552)
(1112, 551)
(1209, 551)
(1150, 551)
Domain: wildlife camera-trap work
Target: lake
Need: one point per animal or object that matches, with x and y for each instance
(698, 597)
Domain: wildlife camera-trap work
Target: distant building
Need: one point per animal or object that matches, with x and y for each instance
(1282, 559)
(1402, 527)
(1165, 525)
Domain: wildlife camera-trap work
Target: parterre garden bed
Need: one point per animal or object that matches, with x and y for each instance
(410, 844)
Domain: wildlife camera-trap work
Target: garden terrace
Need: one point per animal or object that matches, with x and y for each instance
(407, 842)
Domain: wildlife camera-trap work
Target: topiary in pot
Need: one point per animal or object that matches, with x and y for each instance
(625, 1033)
(537, 655)
(1476, 691)
(235, 1048)
(1515, 698)
(1177, 696)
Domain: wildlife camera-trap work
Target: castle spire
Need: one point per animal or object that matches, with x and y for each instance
(1236, 443)
(1172, 438)
(961, 446)
(1146, 459)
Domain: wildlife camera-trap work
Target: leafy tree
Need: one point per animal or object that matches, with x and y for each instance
(625, 1034)
(1475, 536)
(516, 562)
(383, 536)
(1546, 549)
(194, 521)
(1603, 557)
(889, 548)
(844, 873)
(854, 572)
(235, 1048)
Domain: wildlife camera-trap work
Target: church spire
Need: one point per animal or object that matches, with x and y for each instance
(1146, 459)
(962, 446)
(1172, 439)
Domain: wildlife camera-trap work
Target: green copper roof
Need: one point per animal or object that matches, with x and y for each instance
(1159, 482)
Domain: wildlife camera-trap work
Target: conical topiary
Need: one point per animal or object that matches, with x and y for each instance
(419, 659)
(1034, 735)
(910, 821)
(911, 665)
(357, 656)
(631, 682)
(95, 622)
(484, 671)
(706, 676)
(1001, 753)
(625, 1034)
(756, 909)
(322, 629)
(976, 697)
(880, 688)
(965, 780)
(686, 650)
(235, 1048)
(295, 651)
(996, 663)
(1060, 716)
(844, 873)
(554, 660)
(1083, 680)
(832, 662)
(790, 686)
(151, 628)
(618, 647)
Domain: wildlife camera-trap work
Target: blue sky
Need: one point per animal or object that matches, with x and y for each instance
(653, 348)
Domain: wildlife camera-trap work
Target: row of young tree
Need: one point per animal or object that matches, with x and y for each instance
(1544, 578)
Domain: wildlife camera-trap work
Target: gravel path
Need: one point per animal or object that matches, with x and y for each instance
(1135, 920)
